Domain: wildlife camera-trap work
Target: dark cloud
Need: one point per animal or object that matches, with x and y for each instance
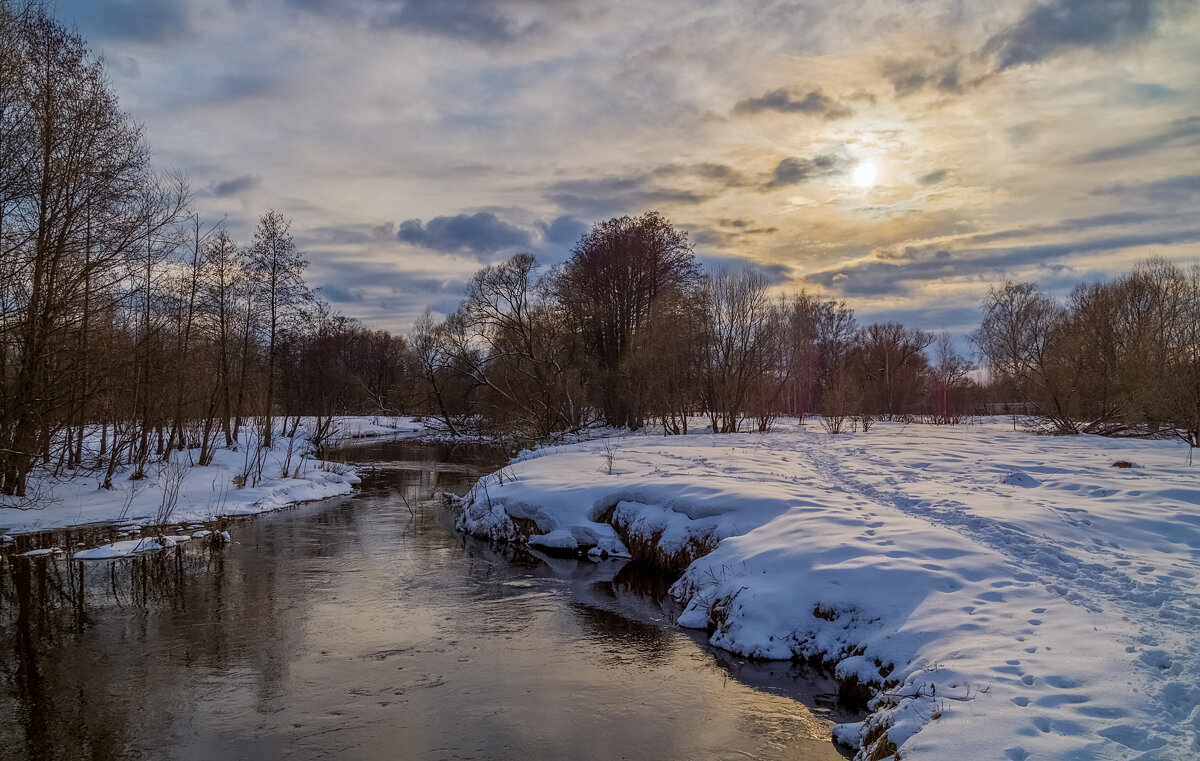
(379, 292)
(151, 22)
(123, 66)
(1149, 92)
(1186, 130)
(563, 231)
(1073, 225)
(609, 196)
(482, 22)
(481, 233)
(721, 174)
(933, 178)
(785, 102)
(955, 320)
(235, 186)
(337, 235)
(925, 264)
(776, 274)
(337, 294)
(243, 84)
(911, 75)
(1173, 189)
(1049, 29)
(792, 171)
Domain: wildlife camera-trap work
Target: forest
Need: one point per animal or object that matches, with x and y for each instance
(131, 327)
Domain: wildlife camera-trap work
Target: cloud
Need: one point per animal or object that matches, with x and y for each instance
(792, 171)
(1180, 129)
(611, 196)
(382, 292)
(150, 22)
(722, 174)
(933, 178)
(481, 233)
(1172, 189)
(1049, 29)
(1072, 225)
(784, 102)
(875, 277)
(776, 274)
(481, 22)
(337, 294)
(911, 75)
(563, 231)
(1150, 92)
(235, 186)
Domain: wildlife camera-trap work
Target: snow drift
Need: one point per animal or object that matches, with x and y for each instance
(986, 588)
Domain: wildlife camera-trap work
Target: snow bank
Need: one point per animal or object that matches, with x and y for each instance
(131, 547)
(375, 426)
(993, 589)
(205, 494)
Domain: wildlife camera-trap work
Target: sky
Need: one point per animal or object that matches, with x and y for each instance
(903, 156)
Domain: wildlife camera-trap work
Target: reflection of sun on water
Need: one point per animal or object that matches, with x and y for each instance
(864, 175)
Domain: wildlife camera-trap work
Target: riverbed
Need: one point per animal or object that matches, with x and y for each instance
(366, 627)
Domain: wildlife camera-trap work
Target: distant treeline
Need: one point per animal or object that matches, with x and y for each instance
(1117, 358)
(630, 332)
(131, 328)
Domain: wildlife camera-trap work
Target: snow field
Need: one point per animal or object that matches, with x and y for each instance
(1003, 594)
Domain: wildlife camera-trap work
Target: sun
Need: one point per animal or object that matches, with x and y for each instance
(864, 174)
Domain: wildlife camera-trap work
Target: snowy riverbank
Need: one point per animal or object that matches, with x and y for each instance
(182, 492)
(1004, 594)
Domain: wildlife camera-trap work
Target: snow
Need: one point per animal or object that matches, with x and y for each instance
(207, 493)
(376, 426)
(130, 547)
(997, 589)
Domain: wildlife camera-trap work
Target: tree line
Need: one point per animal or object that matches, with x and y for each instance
(631, 332)
(1115, 358)
(130, 327)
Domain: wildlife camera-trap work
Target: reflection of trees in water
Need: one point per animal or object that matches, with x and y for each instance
(96, 655)
(58, 690)
(630, 642)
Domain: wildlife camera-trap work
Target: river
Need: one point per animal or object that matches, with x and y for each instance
(365, 627)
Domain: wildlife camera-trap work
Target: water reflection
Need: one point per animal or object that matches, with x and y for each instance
(366, 627)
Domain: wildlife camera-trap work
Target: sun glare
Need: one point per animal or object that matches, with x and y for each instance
(864, 175)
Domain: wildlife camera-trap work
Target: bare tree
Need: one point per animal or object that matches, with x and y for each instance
(893, 365)
(516, 346)
(1024, 337)
(948, 383)
(743, 333)
(612, 287)
(433, 364)
(78, 204)
(276, 274)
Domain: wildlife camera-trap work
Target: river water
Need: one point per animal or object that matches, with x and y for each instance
(365, 627)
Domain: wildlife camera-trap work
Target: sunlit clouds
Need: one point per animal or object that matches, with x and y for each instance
(900, 155)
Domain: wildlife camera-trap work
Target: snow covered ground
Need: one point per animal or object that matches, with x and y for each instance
(348, 427)
(203, 494)
(1006, 595)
